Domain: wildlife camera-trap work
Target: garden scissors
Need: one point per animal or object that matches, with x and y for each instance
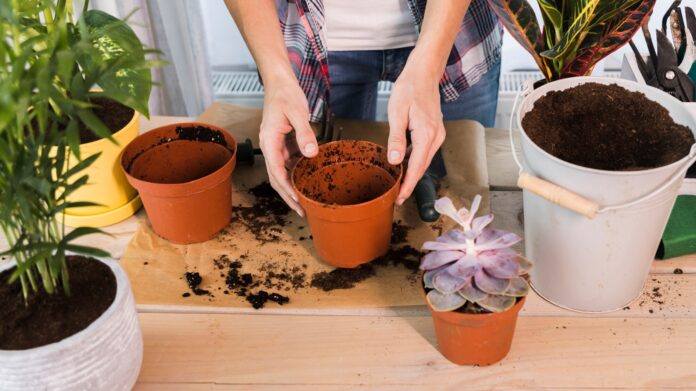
(670, 77)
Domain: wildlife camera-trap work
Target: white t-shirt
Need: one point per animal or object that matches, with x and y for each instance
(368, 25)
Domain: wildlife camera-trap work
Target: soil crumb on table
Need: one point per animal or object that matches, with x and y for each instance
(275, 274)
(267, 217)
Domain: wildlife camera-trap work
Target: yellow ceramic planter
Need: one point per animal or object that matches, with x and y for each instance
(107, 184)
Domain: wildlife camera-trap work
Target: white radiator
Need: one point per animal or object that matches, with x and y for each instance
(243, 88)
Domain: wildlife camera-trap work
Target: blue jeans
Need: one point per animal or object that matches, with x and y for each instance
(354, 76)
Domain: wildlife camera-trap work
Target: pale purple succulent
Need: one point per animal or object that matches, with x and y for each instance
(475, 263)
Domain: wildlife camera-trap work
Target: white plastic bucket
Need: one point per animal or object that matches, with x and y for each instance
(596, 262)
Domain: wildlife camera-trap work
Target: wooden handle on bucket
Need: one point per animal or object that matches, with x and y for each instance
(558, 195)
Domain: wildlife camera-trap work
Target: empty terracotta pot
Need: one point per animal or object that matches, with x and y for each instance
(348, 192)
(183, 173)
(475, 339)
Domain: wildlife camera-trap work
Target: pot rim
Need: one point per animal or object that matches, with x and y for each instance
(116, 135)
(122, 287)
(448, 315)
(396, 185)
(175, 190)
(548, 87)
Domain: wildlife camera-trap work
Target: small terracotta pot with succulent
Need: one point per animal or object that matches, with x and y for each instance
(475, 286)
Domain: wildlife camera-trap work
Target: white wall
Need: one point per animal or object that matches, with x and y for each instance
(225, 44)
(226, 47)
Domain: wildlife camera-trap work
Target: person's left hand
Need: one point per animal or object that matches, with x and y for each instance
(414, 105)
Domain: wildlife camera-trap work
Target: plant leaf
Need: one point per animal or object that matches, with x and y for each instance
(470, 292)
(518, 288)
(497, 303)
(444, 302)
(519, 19)
(489, 284)
(607, 41)
(127, 77)
(582, 17)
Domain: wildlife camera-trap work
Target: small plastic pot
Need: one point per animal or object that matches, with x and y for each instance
(348, 192)
(475, 339)
(184, 179)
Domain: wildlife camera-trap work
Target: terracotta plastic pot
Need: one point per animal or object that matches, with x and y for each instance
(475, 339)
(348, 192)
(185, 182)
(107, 185)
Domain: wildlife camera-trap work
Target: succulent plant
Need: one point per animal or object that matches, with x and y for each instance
(473, 264)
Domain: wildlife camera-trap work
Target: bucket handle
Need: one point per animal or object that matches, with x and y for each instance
(571, 200)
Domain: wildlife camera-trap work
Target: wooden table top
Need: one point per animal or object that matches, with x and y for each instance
(649, 346)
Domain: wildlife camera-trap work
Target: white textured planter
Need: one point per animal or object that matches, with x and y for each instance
(105, 356)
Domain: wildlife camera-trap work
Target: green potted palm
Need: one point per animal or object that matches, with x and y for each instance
(603, 158)
(68, 318)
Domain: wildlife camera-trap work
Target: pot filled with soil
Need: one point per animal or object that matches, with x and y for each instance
(183, 173)
(116, 199)
(89, 340)
(348, 192)
(475, 286)
(603, 163)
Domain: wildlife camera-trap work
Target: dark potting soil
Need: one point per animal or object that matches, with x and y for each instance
(243, 284)
(200, 133)
(50, 318)
(606, 127)
(193, 280)
(113, 114)
(267, 217)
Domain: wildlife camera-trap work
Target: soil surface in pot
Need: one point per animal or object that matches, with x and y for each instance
(113, 114)
(606, 127)
(51, 318)
(347, 183)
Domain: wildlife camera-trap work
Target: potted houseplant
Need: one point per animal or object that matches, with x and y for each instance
(118, 98)
(183, 172)
(348, 192)
(475, 286)
(68, 320)
(593, 217)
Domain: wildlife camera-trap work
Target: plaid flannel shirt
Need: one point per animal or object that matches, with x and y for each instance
(476, 49)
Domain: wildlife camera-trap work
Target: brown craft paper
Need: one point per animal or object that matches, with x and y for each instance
(156, 267)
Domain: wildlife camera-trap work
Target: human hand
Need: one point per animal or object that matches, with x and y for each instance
(414, 105)
(285, 109)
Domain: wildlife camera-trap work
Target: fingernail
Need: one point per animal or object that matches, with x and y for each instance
(310, 148)
(400, 201)
(394, 156)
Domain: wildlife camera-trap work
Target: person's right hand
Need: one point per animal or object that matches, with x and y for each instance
(285, 109)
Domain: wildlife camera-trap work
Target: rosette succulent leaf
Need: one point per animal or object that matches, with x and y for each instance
(474, 263)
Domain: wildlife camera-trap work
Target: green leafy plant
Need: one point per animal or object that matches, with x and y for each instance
(52, 65)
(576, 34)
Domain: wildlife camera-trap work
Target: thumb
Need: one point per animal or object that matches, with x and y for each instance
(396, 146)
(306, 140)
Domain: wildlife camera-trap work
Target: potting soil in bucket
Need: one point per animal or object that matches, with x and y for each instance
(627, 154)
(348, 192)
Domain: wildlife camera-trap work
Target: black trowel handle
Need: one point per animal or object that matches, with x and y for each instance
(246, 152)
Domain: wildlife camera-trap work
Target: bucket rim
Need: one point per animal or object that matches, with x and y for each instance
(607, 80)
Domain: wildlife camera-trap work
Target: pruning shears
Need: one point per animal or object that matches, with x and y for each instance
(662, 69)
